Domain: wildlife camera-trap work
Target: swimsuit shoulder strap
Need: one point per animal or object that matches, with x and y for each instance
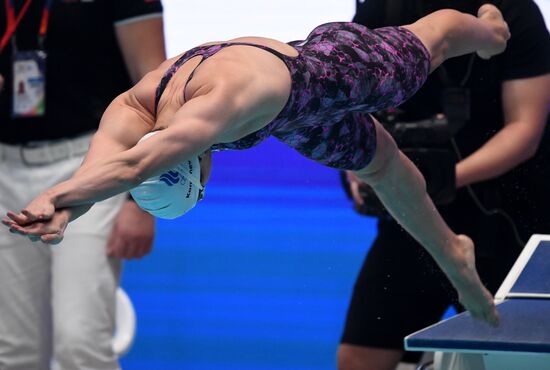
(206, 52)
(278, 54)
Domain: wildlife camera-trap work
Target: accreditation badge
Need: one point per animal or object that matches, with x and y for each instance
(29, 84)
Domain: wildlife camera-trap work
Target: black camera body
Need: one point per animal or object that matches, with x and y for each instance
(426, 144)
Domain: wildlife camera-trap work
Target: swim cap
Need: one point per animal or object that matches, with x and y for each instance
(172, 193)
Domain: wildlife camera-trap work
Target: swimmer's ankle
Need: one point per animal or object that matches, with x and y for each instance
(459, 257)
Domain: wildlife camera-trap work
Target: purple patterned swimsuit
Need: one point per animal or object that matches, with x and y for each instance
(342, 72)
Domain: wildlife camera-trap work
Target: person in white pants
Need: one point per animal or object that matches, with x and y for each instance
(44, 286)
(57, 304)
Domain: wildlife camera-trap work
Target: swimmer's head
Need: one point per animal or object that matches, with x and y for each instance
(175, 191)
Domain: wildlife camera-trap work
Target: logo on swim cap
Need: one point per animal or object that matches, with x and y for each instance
(172, 193)
(170, 178)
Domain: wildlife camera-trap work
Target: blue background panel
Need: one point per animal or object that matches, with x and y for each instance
(258, 276)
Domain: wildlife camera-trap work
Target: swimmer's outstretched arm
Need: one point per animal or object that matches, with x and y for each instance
(223, 108)
(123, 123)
(193, 129)
(101, 178)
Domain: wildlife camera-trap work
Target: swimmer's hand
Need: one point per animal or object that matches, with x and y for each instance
(40, 221)
(40, 209)
(501, 33)
(36, 213)
(49, 231)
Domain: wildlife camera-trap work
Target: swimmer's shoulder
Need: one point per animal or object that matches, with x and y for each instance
(142, 95)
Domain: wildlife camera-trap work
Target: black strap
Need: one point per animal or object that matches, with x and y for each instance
(206, 53)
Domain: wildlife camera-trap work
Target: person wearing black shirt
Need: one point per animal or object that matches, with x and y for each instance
(399, 289)
(61, 63)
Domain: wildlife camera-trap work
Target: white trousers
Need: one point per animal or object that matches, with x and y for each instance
(56, 300)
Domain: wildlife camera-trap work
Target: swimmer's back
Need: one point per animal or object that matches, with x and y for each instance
(257, 82)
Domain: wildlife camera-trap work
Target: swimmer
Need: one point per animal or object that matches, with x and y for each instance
(314, 95)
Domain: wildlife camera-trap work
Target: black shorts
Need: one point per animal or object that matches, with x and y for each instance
(400, 289)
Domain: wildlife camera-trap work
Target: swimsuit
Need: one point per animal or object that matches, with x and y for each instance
(342, 72)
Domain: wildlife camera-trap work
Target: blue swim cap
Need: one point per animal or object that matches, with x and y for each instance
(172, 193)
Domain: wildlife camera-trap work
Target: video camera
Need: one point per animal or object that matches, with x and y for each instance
(426, 144)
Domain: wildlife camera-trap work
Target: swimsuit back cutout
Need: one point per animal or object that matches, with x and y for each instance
(205, 52)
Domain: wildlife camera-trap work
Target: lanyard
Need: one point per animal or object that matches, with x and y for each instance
(44, 22)
(12, 22)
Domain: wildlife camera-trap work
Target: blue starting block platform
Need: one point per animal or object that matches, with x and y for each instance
(522, 341)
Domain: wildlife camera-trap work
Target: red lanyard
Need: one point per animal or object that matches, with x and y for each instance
(12, 22)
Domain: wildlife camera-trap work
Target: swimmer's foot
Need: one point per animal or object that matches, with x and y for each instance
(463, 275)
(499, 28)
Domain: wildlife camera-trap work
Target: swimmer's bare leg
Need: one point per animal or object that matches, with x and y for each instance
(402, 190)
(448, 33)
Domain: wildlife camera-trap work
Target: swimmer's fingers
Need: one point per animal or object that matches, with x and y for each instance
(38, 212)
(52, 238)
(40, 232)
(18, 218)
(32, 217)
(50, 232)
(26, 217)
(40, 208)
(8, 222)
(32, 230)
(14, 227)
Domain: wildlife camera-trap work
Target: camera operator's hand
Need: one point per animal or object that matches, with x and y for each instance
(365, 201)
(355, 189)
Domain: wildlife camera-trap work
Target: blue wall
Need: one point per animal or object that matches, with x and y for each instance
(258, 276)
